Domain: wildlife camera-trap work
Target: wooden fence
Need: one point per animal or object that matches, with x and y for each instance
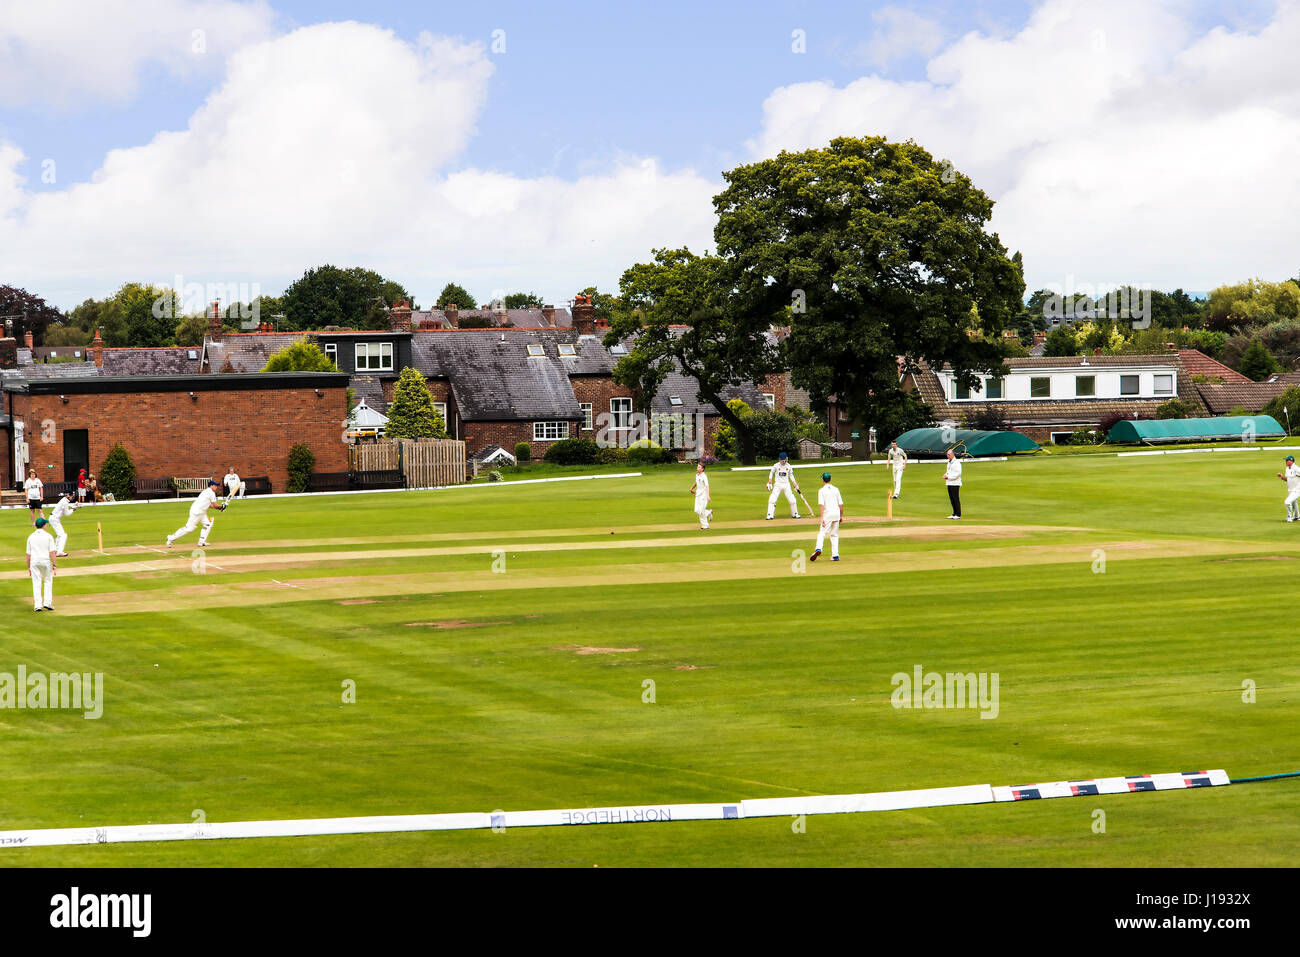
(426, 463)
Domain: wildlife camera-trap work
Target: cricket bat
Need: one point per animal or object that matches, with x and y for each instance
(806, 505)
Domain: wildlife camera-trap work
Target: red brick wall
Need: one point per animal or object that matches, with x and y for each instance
(170, 434)
(598, 390)
(478, 435)
(775, 383)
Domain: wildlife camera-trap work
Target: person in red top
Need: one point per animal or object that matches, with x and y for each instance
(81, 488)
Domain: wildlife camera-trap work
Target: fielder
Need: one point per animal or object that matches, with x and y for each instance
(831, 504)
(1292, 478)
(700, 489)
(233, 485)
(779, 480)
(41, 566)
(897, 459)
(35, 494)
(199, 513)
(62, 509)
(952, 478)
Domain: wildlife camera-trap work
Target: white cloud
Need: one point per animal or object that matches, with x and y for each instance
(1118, 145)
(66, 53)
(339, 143)
(901, 33)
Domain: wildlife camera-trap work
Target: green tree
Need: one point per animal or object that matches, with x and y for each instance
(1252, 303)
(191, 330)
(1257, 362)
(1061, 342)
(301, 356)
(681, 316)
(117, 474)
(412, 415)
(910, 413)
(868, 250)
(524, 300)
(725, 445)
(459, 296)
(1175, 409)
(1285, 408)
(147, 314)
(66, 334)
(603, 304)
(354, 298)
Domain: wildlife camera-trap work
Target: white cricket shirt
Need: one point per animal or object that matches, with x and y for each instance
(897, 457)
(781, 474)
(1293, 477)
(207, 498)
(953, 473)
(701, 486)
(62, 509)
(829, 497)
(40, 545)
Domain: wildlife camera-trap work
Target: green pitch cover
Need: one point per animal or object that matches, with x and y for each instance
(971, 442)
(1237, 428)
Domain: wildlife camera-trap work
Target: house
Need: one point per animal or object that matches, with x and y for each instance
(1050, 397)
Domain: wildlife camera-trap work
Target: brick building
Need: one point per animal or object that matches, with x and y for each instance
(175, 425)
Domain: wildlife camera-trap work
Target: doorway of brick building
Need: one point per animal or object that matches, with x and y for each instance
(76, 453)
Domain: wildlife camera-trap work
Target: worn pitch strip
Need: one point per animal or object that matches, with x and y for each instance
(633, 814)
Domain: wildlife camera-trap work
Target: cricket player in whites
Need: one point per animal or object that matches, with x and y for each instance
(1292, 478)
(234, 487)
(41, 566)
(62, 509)
(831, 504)
(700, 489)
(897, 459)
(779, 480)
(199, 513)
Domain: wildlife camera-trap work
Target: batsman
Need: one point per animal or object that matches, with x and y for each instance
(779, 480)
(199, 514)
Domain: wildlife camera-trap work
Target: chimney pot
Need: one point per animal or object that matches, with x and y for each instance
(97, 347)
(584, 316)
(399, 317)
(27, 339)
(1097, 351)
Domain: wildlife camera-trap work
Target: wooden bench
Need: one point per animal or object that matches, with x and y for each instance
(53, 490)
(328, 482)
(152, 488)
(378, 478)
(257, 485)
(190, 486)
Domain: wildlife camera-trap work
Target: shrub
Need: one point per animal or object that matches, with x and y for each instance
(1108, 422)
(645, 455)
(572, 452)
(412, 414)
(1174, 409)
(988, 419)
(611, 456)
(1083, 437)
(774, 433)
(1238, 410)
(117, 473)
(523, 452)
(494, 476)
(301, 463)
(1288, 400)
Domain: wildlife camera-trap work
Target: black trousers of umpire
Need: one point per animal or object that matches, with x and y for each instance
(954, 496)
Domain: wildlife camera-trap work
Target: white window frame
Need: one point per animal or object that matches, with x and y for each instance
(1002, 387)
(1136, 391)
(1047, 379)
(536, 350)
(332, 352)
(1087, 395)
(441, 409)
(550, 431)
(770, 399)
(381, 360)
(1155, 383)
(620, 414)
(586, 415)
(567, 349)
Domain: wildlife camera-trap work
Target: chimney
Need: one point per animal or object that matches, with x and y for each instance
(97, 347)
(8, 353)
(453, 315)
(27, 339)
(1040, 338)
(1170, 346)
(399, 317)
(548, 315)
(584, 316)
(214, 323)
(1097, 351)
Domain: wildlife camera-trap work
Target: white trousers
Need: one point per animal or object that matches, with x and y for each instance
(60, 536)
(192, 524)
(898, 480)
(43, 579)
(1292, 510)
(702, 510)
(832, 529)
(789, 497)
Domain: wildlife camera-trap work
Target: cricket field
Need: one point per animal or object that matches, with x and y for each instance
(584, 644)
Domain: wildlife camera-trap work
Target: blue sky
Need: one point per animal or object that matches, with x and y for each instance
(584, 92)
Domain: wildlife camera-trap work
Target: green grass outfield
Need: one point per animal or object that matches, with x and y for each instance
(224, 672)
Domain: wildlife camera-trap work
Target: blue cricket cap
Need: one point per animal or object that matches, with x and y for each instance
(784, 456)
(826, 476)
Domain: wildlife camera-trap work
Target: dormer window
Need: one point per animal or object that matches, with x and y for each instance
(374, 357)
